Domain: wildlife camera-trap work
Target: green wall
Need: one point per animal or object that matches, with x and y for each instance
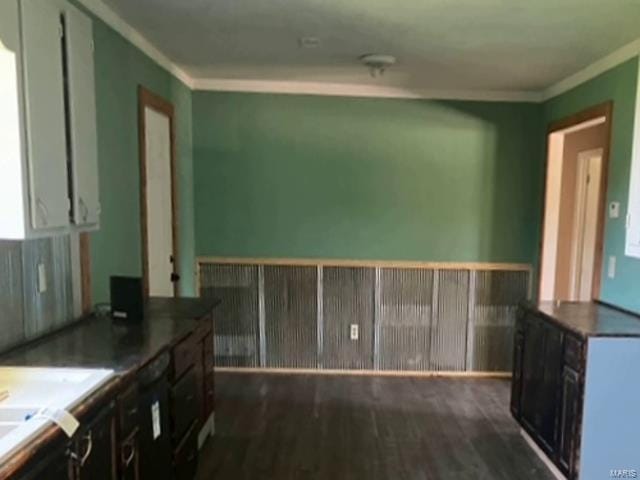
(618, 84)
(309, 176)
(116, 248)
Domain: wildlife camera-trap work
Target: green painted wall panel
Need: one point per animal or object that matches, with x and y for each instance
(305, 176)
(116, 248)
(618, 84)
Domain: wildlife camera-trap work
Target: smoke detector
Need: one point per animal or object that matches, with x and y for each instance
(377, 63)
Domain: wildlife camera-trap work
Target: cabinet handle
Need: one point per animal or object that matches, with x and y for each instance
(84, 210)
(81, 460)
(42, 210)
(126, 460)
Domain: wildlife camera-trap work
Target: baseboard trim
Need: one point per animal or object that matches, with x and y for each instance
(362, 373)
(538, 451)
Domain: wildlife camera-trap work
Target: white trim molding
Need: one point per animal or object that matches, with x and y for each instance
(614, 59)
(120, 25)
(359, 90)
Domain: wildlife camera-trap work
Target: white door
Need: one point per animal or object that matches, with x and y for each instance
(159, 206)
(585, 229)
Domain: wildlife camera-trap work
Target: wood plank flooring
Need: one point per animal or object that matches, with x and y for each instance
(317, 427)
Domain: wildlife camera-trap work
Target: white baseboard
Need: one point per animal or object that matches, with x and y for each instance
(543, 456)
(206, 431)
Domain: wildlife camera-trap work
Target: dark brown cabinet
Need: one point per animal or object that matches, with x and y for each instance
(546, 387)
(89, 455)
(568, 423)
(54, 465)
(149, 421)
(92, 451)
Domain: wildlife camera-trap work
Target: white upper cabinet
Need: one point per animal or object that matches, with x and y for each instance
(47, 120)
(45, 113)
(633, 214)
(82, 117)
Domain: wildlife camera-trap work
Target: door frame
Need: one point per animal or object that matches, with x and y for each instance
(148, 99)
(601, 110)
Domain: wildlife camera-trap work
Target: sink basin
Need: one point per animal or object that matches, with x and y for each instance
(30, 390)
(10, 414)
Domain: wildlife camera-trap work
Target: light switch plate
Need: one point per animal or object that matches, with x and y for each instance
(354, 331)
(614, 210)
(611, 271)
(42, 278)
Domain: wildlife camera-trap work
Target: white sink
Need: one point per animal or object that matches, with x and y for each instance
(31, 389)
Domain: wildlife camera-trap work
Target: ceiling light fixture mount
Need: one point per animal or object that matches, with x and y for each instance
(377, 63)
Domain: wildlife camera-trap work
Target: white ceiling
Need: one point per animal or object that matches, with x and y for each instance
(506, 45)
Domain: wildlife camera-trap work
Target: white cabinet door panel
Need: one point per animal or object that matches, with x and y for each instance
(45, 113)
(82, 120)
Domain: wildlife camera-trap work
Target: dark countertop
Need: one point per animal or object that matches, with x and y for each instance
(99, 342)
(589, 319)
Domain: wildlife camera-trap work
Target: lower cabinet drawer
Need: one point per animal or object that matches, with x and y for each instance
(184, 404)
(185, 459)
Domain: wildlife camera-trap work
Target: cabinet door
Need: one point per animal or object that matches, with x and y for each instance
(81, 103)
(568, 420)
(532, 364)
(550, 387)
(516, 379)
(45, 113)
(95, 449)
(129, 458)
(54, 466)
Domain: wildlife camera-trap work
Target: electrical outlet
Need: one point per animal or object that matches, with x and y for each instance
(614, 210)
(611, 273)
(42, 278)
(354, 331)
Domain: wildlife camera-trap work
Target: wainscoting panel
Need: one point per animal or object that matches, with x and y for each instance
(348, 299)
(236, 340)
(449, 321)
(283, 314)
(404, 313)
(290, 317)
(11, 299)
(496, 297)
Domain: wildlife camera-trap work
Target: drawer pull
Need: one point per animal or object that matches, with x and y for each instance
(127, 459)
(81, 460)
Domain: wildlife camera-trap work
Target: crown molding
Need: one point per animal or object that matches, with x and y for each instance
(115, 21)
(121, 26)
(614, 59)
(355, 90)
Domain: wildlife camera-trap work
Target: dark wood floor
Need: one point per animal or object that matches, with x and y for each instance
(346, 427)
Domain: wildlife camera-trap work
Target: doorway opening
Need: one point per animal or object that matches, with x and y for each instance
(574, 206)
(158, 205)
